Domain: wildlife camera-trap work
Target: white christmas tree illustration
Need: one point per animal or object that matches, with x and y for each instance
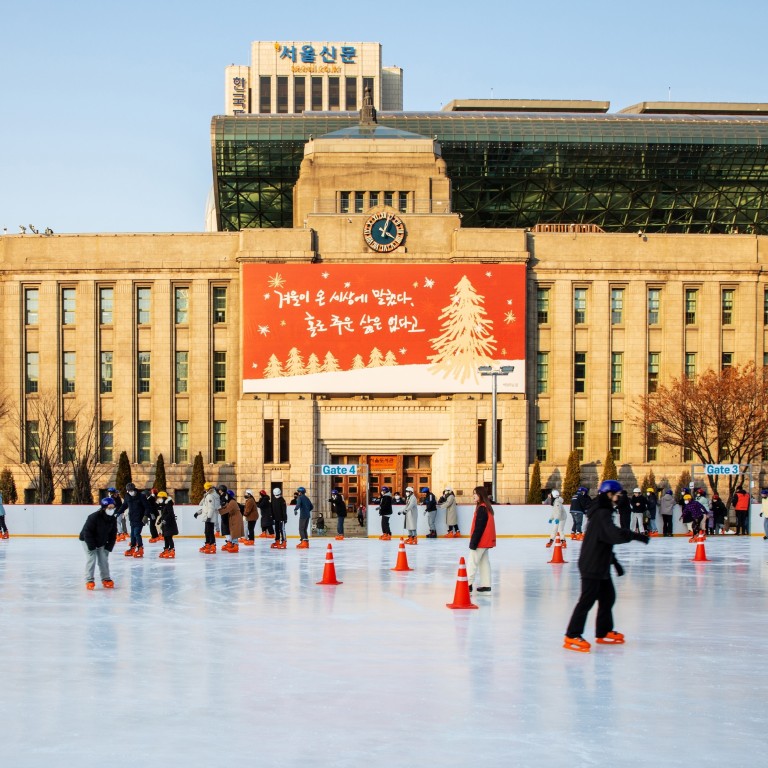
(294, 365)
(390, 359)
(358, 363)
(274, 368)
(376, 359)
(330, 363)
(313, 364)
(466, 341)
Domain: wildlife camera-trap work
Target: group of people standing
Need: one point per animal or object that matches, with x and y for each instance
(409, 507)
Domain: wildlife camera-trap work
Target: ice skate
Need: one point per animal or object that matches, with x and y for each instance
(339, 538)
(139, 552)
(483, 589)
(129, 552)
(303, 545)
(233, 547)
(227, 547)
(90, 585)
(171, 554)
(562, 543)
(155, 539)
(576, 644)
(164, 553)
(203, 548)
(448, 535)
(283, 545)
(247, 542)
(210, 549)
(612, 638)
(275, 545)
(550, 543)
(107, 583)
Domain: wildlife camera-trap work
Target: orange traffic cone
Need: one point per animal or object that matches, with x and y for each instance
(557, 552)
(402, 558)
(701, 552)
(329, 572)
(461, 598)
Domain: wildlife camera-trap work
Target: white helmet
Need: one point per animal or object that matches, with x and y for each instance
(637, 490)
(448, 490)
(277, 492)
(409, 489)
(248, 492)
(555, 494)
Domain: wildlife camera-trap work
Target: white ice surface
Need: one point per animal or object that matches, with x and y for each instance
(243, 660)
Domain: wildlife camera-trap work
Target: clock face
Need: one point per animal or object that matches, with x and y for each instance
(384, 232)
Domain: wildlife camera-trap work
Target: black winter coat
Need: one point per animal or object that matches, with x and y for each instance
(580, 502)
(137, 508)
(385, 505)
(638, 504)
(279, 509)
(265, 510)
(100, 530)
(338, 505)
(168, 518)
(597, 549)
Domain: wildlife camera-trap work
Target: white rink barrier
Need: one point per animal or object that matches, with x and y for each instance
(511, 520)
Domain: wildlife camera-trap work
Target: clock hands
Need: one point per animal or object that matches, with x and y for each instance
(385, 227)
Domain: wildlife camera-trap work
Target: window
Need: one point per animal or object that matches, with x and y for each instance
(691, 302)
(32, 305)
(182, 372)
(388, 199)
(617, 373)
(617, 306)
(359, 201)
(265, 95)
(219, 441)
(726, 360)
(106, 442)
(350, 87)
(579, 371)
(106, 373)
(616, 430)
(333, 94)
(68, 372)
(652, 443)
(182, 442)
(299, 94)
(688, 447)
(106, 305)
(542, 440)
(181, 305)
(654, 359)
(32, 441)
(220, 304)
(145, 366)
(579, 438)
(143, 306)
(579, 306)
(343, 202)
(482, 426)
(181, 495)
(765, 307)
(31, 496)
(690, 365)
(144, 441)
(726, 306)
(542, 373)
(67, 495)
(654, 305)
(67, 306)
(317, 93)
(402, 202)
(32, 376)
(269, 441)
(282, 95)
(284, 446)
(368, 86)
(373, 199)
(542, 305)
(68, 441)
(219, 372)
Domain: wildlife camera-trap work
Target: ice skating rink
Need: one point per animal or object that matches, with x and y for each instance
(242, 660)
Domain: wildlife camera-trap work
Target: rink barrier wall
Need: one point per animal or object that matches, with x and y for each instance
(512, 520)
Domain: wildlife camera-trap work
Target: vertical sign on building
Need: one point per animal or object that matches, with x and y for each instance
(237, 90)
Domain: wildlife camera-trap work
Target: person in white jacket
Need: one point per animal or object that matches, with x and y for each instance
(209, 510)
(557, 519)
(448, 502)
(411, 512)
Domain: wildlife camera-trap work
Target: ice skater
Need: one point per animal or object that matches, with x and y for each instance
(557, 519)
(667, 507)
(303, 508)
(411, 512)
(430, 510)
(251, 514)
(3, 527)
(482, 538)
(122, 528)
(135, 504)
(639, 508)
(98, 536)
(719, 512)
(385, 512)
(339, 507)
(595, 560)
(167, 524)
(448, 502)
(280, 516)
(208, 512)
(580, 502)
(651, 503)
(267, 521)
(232, 520)
(693, 513)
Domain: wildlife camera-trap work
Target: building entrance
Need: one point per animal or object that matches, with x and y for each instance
(392, 471)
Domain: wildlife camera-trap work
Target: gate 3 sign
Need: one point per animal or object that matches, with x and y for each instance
(382, 328)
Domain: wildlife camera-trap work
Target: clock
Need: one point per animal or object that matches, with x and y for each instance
(383, 232)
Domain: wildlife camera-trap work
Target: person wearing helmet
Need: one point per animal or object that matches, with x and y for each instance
(339, 508)
(639, 509)
(411, 512)
(135, 504)
(448, 502)
(167, 524)
(251, 514)
(303, 508)
(430, 511)
(667, 509)
(557, 519)
(651, 503)
(122, 528)
(209, 512)
(222, 523)
(98, 536)
(264, 504)
(595, 560)
(232, 521)
(693, 514)
(719, 512)
(580, 502)
(3, 527)
(385, 512)
(153, 513)
(741, 503)
(280, 516)
(764, 511)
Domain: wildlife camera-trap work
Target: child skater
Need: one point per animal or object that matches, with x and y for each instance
(595, 560)
(98, 536)
(167, 524)
(557, 520)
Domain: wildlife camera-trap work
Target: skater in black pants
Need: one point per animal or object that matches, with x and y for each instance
(595, 562)
(168, 524)
(265, 509)
(385, 510)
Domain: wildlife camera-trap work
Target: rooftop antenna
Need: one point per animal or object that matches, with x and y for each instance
(669, 93)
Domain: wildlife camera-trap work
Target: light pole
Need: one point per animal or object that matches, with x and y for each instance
(494, 373)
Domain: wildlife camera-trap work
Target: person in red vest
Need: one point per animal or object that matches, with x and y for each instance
(741, 502)
(482, 538)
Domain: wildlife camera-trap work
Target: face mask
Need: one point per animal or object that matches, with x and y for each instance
(131, 493)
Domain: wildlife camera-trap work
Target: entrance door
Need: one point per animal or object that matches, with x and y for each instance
(417, 472)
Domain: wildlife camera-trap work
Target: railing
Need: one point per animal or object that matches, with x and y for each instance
(336, 206)
(567, 228)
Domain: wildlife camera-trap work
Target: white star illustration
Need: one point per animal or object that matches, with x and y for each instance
(254, 365)
(509, 317)
(504, 351)
(489, 274)
(283, 323)
(402, 350)
(428, 282)
(276, 281)
(266, 296)
(415, 285)
(325, 275)
(509, 302)
(263, 330)
(346, 285)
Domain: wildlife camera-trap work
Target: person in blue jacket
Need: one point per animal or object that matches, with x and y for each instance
(303, 508)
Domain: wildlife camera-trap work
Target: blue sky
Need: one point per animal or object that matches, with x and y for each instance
(105, 107)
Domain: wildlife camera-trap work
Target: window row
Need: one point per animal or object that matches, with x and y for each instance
(106, 309)
(360, 201)
(579, 439)
(333, 99)
(143, 372)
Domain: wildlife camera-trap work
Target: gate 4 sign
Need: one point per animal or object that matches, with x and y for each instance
(721, 469)
(339, 469)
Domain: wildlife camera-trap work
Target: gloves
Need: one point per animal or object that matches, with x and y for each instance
(557, 521)
(619, 568)
(550, 521)
(641, 537)
(761, 514)
(295, 511)
(197, 514)
(144, 520)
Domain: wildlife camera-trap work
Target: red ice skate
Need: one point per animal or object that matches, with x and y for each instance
(107, 583)
(139, 552)
(90, 585)
(129, 552)
(576, 644)
(612, 638)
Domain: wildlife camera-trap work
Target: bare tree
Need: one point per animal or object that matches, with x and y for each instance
(722, 417)
(81, 459)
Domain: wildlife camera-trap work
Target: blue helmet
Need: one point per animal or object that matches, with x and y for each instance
(231, 494)
(301, 489)
(609, 486)
(105, 502)
(424, 489)
(764, 492)
(111, 490)
(582, 489)
(384, 489)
